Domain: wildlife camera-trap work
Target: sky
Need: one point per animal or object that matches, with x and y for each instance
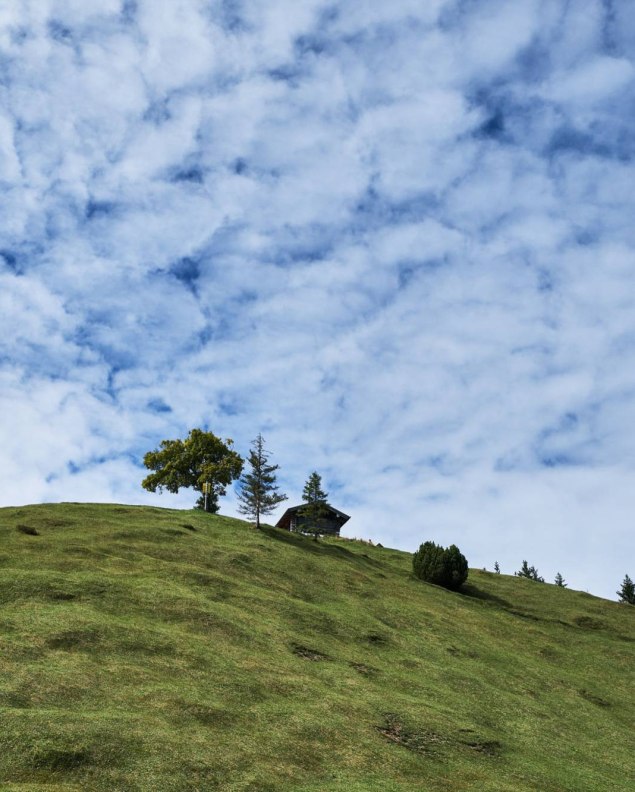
(395, 238)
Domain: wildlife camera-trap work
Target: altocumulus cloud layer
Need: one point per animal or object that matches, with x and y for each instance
(397, 238)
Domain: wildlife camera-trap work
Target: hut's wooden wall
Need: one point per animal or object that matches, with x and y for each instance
(328, 525)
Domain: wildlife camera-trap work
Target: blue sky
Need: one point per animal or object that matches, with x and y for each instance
(396, 238)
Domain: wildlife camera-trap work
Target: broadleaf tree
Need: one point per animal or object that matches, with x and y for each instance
(315, 508)
(257, 490)
(201, 457)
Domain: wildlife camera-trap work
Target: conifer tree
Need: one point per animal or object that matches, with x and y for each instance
(315, 506)
(559, 581)
(257, 489)
(497, 569)
(627, 592)
(529, 572)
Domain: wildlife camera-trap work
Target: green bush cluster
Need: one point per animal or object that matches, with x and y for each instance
(445, 567)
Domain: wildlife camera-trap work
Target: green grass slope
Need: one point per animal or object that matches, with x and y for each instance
(152, 649)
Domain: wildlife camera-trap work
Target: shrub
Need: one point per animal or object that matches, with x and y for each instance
(443, 567)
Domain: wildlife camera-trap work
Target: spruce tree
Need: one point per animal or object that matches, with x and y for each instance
(315, 507)
(497, 569)
(559, 581)
(524, 571)
(529, 572)
(257, 489)
(627, 592)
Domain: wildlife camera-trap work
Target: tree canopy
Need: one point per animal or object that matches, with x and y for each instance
(257, 489)
(627, 591)
(315, 507)
(201, 457)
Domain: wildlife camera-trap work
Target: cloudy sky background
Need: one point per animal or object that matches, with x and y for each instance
(397, 238)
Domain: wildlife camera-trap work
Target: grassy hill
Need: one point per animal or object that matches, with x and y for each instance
(153, 649)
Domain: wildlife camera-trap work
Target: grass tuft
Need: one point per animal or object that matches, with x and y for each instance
(309, 654)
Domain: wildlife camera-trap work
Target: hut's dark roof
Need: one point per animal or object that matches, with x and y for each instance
(285, 520)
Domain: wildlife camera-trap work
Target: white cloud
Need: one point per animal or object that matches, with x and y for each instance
(9, 162)
(355, 16)
(591, 81)
(178, 47)
(491, 35)
(76, 12)
(396, 238)
(576, 30)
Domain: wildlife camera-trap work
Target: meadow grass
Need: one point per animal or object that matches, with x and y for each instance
(161, 650)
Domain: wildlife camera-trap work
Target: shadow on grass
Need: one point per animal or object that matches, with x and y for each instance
(309, 545)
(470, 590)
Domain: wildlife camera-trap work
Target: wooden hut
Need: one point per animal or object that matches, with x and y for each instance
(330, 524)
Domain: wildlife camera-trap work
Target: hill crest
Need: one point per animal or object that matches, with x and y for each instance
(153, 649)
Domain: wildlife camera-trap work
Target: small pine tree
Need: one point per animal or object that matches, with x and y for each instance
(257, 490)
(523, 571)
(559, 581)
(497, 569)
(627, 592)
(529, 572)
(316, 506)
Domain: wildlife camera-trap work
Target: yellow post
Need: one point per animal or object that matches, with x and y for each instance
(207, 488)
